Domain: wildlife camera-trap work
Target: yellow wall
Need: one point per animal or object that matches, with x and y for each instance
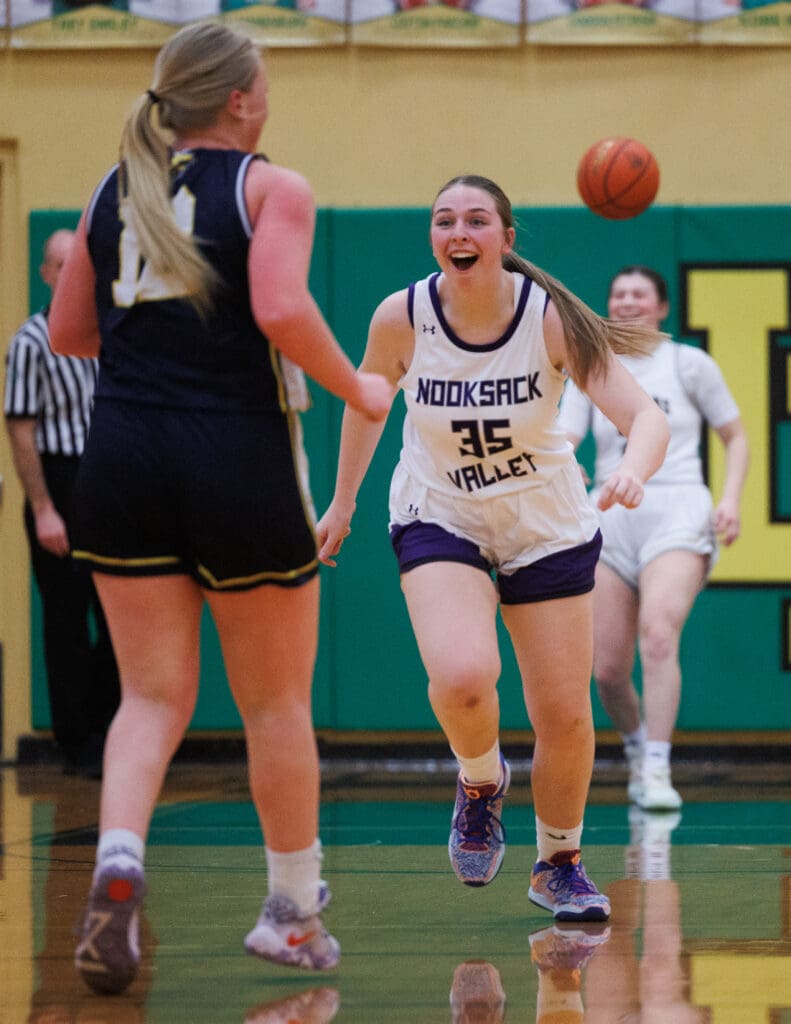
(384, 127)
(375, 127)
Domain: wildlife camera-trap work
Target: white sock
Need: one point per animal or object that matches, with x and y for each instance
(655, 862)
(296, 875)
(551, 840)
(121, 847)
(634, 740)
(657, 754)
(485, 768)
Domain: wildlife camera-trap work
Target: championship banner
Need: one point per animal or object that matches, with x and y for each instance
(290, 22)
(436, 22)
(75, 23)
(745, 22)
(627, 22)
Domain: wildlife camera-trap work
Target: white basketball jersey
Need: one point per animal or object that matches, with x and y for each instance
(688, 387)
(481, 419)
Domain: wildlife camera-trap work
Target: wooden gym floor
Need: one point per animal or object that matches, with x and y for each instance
(701, 926)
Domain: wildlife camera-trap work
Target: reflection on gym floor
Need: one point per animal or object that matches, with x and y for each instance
(700, 931)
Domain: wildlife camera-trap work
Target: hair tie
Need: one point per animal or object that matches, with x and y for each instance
(152, 96)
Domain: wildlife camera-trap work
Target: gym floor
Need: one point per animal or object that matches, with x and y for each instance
(700, 931)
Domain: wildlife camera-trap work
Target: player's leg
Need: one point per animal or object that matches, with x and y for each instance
(614, 641)
(668, 587)
(615, 609)
(453, 610)
(155, 626)
(553, 642)
(269, 638)
(452, 607)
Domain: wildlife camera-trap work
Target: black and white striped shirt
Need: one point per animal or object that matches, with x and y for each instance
(57, 391)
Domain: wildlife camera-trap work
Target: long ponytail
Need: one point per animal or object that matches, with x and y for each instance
(590, 338)
(194, 73)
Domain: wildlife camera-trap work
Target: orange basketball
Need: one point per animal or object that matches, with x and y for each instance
(618, 178)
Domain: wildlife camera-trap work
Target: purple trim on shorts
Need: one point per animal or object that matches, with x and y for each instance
(564, 574)
(417, 543)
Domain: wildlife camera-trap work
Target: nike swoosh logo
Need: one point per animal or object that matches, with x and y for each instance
(553, 836)
(299, 940)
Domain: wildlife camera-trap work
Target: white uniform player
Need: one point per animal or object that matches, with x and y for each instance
(656, 559)
(487, 485)
(676, 512)
(483, 455)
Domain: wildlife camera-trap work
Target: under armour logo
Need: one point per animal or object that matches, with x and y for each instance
(413, 509)
(429, 328)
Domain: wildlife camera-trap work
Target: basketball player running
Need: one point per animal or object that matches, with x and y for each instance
(487, 484)
(193, 486)
(655, 562)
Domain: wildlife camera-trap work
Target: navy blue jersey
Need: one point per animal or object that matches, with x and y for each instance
(156, 348)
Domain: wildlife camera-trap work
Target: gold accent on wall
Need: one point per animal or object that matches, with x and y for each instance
(15, 575)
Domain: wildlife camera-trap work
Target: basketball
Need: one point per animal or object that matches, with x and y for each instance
(618, 178)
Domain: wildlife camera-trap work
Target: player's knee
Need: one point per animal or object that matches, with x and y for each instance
(465, 685)
(611, 680)
(658, 642)
(565, 727)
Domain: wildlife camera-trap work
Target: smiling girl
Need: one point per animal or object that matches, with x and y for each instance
(488, 509)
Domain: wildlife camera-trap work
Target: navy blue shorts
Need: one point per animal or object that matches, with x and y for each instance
(563, 574)
(222, 497)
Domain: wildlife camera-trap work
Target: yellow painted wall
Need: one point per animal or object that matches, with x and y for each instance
(377, 127)
(386, 128)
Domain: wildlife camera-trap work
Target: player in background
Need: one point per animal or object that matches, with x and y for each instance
(655, 562)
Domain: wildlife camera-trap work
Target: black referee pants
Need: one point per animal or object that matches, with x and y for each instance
(82, 675)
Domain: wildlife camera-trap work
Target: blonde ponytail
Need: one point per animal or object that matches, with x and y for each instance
(194, 73)
(144, 184)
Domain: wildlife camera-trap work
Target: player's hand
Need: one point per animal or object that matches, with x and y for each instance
(51, 532)
(620, 488)
(374, 396)
(727, 522)
(331, 531)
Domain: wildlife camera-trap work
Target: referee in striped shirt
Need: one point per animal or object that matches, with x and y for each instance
(48, 401)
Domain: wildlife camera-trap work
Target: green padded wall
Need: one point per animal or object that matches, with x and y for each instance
(724, 265)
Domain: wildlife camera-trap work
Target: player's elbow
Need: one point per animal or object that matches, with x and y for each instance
(277, 322)
(62, 340)
(279, 315)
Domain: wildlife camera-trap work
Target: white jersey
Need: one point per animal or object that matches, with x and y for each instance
(686, 384)
(481, 419)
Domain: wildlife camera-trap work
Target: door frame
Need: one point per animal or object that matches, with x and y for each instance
(15, 675)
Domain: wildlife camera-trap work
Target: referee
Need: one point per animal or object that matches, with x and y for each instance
(48, 401)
